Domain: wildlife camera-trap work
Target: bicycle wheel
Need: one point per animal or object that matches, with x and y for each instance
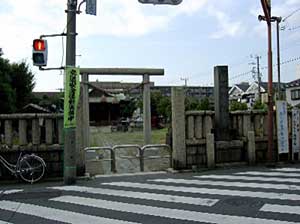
(31, 168)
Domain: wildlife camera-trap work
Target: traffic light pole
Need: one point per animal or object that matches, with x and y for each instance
(70, 133)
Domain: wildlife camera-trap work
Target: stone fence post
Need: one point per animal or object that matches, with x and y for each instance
(178, 128)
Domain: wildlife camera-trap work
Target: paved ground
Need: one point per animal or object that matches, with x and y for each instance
(232, 196)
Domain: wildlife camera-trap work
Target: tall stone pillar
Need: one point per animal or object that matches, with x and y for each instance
(178, 128)
(222, 122)
(147, 109)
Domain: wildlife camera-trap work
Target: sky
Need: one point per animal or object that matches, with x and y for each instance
(187, 40)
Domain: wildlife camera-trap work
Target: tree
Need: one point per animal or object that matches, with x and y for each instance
(22, 81)
(204, 104)
(7, 94)
(16, 85)
(192, 103)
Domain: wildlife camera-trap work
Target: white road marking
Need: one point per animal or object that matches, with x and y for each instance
(231, 177)
(56, 214)
(287, 169)
(4, 222)
(282, 174)
(252, 194)
(141, 195)
(166, 212)
(12, 191)
(281, 209)
(228, 184)
(130, 174)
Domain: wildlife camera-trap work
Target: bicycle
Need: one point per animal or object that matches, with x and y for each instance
(30, 167)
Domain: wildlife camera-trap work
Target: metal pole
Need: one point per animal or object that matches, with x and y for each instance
(278, 20)
(270, 95)
(147, 110)
(70, 133)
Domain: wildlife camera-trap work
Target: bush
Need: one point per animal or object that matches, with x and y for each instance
(238, 106)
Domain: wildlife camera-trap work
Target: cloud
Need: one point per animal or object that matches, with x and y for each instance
(227, 27)
(129, 18)
(26, 20)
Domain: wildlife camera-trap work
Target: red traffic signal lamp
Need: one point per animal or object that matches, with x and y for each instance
(40, 52)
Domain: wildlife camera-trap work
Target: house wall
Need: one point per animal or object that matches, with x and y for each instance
(289, 97)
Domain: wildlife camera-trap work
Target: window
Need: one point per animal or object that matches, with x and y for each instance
(295, 94)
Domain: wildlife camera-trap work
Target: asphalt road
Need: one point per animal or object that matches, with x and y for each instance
(231, 196)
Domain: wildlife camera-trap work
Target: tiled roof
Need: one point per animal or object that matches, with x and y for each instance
(243, 86)
(294, 83)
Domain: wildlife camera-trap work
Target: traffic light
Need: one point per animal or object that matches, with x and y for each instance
(39, 52)
(161, 2)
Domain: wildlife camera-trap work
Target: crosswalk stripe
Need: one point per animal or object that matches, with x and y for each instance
(13, 191)
(287, 169)
(253, 194)
(281, 209)
(229, 184)
(3, 222)
(269, 174)
(56, 214)
(165, 212)
(141, 195)
(231, 177)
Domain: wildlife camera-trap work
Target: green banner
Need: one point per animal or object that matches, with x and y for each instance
(72, 90)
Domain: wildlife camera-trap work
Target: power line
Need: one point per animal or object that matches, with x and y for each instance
(284, 62)
(294, 28)
(241, 74)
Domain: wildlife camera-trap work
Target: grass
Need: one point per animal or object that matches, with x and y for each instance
(99, 138)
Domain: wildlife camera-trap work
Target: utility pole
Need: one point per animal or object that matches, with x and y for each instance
(257, 74)
(266, 5)
(70, 133)
(258, 78)
(185, 81)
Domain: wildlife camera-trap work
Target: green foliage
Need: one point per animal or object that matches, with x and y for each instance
(16, 85)
(238, 106)
(259, 106)
(160, 105)
(204, 104)
(22, 81)
(127, 109)
(192, 103)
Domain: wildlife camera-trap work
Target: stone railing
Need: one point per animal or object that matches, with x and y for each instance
(38, 133)
(201, 123)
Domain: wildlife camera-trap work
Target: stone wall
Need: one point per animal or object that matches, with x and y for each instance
(197, 125)
(41, 134)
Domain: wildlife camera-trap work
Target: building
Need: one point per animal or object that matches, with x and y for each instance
(250, 95)
(107, 100)
(293, 92)
(238, 90)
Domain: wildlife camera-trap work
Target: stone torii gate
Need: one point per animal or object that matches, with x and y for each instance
(83, 126)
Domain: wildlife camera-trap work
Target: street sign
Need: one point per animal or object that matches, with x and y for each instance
(295, 130)
(72, 90)
(91, 7)
(161, 2)
(282, 127)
